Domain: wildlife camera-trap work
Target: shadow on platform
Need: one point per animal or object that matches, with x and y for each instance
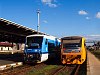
(16, 57)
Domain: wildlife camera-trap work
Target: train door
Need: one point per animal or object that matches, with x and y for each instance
(51, 49)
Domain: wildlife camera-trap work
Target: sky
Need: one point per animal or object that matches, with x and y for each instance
(57, 17)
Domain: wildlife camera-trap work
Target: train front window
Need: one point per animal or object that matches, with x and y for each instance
(34, 42)
(72, 47)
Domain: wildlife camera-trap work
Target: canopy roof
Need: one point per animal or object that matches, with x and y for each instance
(13, 32)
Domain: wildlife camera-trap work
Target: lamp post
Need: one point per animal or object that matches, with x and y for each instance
(38, 26)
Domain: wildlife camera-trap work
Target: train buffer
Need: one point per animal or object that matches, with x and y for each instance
(93, 64)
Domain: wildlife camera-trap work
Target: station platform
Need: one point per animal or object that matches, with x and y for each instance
(9, 61)
(93, 64)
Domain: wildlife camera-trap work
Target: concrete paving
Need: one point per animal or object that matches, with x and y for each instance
(93, 64)
(10, 60)
(4, 62)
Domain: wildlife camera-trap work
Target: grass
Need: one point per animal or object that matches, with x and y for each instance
(96, 53)
(47, 70)
(44, 71)
(64, 73)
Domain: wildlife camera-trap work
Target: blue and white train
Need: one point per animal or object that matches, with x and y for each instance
(40, 48)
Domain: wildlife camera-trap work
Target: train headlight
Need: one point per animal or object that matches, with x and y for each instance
(82, 59)
(36, 50)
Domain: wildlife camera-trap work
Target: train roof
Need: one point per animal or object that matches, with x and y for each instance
(72, 38)
(45, 36)
(41, 35)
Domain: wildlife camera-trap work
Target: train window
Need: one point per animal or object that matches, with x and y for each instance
(51, 46)
(71, 47)
(46, 41)
(84, 43)
(34, 42)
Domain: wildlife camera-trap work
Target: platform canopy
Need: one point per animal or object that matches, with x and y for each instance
(13, 32)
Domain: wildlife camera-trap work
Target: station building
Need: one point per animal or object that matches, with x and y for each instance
(12, 36)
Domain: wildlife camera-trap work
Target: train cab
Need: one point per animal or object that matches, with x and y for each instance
(73, 50)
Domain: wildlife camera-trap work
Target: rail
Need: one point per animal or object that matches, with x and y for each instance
(75, 70)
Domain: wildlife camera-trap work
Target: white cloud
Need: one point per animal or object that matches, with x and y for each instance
(50, 3)
(46, 1)
(95, 35)
(82, 12)
(98, 15)
(87, 18)
(45, 21)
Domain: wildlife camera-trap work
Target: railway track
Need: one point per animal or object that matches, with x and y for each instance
(16, 71)
(22, 70)
(64, 70)
(60, 70)
(75, 70)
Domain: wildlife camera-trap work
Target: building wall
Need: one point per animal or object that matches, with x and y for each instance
(18, 46)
